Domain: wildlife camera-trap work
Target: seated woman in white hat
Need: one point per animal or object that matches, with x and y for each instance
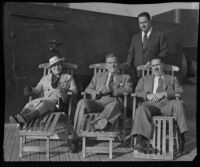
(52, 86)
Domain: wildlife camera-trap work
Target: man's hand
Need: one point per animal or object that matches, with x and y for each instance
(27, 91)
(150, 96)
(103, 90)
(126, 65)
(156, 97)
(161, 95)
(61, 93)
(148, 64)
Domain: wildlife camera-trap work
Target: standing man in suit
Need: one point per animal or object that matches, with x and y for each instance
(106, 89)
(158, 92)
(146, 45)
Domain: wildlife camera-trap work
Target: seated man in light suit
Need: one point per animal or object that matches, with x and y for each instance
(105, 88)
(52, 87)
(158, 91)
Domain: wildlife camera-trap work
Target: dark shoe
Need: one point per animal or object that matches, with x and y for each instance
(73, 146)
(109, 127)
(182, 144)
(101, 124)
(13, 120)
(21, 119)
(140, 143)
(139, 148)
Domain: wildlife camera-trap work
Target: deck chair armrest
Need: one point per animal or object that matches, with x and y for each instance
(178, 96)
(125, 94)
(69, 93)
(85, 95)
(133, 95)
(30, 98)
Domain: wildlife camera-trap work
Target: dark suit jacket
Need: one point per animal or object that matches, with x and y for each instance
(122, 83)
(156, 47)
(170, 84)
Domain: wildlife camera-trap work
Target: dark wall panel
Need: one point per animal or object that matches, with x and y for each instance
(86, 37)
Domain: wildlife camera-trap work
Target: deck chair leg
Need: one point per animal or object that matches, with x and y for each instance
(110, 148)
(20, 146)
(132, 140)
(24, 140)
(177, 142)
(84, 146)
(66, 136)
(124, 136)
(47, 146)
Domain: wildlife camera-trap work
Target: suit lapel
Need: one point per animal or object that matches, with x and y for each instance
(151, 35)
(117, 80)
(149, 84)
(166, 81)
(104, 77)
(140, 42)
(148, 40)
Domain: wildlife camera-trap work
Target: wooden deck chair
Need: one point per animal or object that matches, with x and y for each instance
(44, 126)
(101, 135)
(161, 146)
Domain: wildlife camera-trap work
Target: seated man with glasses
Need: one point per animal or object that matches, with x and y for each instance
(51, 87)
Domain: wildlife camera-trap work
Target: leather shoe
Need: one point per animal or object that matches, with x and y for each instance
(182, 144)
(13, 120)
(139, 148)
(140, 143)
(21, 119)
(73, 146)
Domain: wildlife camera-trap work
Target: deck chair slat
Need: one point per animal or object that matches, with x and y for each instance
(49, 121)
(53, 125)
(88, 123)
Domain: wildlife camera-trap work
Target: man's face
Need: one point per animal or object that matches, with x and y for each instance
(157, 67)
(112, 64)
(144, 24)
(56, 68)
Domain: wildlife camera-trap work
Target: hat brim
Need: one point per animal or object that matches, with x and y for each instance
(61, 59)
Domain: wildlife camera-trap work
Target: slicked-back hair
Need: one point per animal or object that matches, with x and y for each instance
(111, 55)
(144, 14)
(158, 58)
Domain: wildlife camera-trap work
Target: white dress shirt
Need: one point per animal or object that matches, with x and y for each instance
(149, 32)
(108, 79)
(155, 84)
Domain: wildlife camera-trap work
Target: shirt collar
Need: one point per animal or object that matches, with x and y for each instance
(149, 32)
(162, 76)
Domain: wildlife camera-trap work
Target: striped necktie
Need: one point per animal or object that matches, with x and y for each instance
(160, 85)
(144, 41)
(110, 80)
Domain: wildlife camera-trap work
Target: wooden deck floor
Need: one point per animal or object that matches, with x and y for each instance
(59, 150)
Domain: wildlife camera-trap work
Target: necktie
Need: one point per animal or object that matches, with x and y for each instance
(160, 85)
(110, 80)
(55, 81)
(144, 40)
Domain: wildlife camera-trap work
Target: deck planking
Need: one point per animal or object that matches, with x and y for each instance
(59, 150)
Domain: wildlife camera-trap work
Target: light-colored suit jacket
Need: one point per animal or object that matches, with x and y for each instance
(122, 84)
(45, 89)
(170, 84)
